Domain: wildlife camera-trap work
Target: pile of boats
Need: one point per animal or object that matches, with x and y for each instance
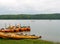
(17, 32)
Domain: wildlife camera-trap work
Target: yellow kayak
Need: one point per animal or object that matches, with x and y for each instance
(16, 36)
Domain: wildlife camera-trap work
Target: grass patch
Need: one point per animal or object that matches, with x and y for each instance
(25, 41)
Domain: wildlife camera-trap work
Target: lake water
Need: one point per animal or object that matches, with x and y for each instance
(48, 29)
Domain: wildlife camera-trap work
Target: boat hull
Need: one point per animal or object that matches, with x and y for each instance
(15, 36)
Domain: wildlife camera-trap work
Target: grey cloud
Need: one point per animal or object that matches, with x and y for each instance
(29, 6)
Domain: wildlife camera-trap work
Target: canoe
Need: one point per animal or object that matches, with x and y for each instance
(16, 36)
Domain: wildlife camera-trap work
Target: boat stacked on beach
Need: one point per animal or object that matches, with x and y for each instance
(17, 28)
(17, 32)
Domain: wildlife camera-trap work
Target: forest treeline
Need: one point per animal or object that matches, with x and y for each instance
(28, 16)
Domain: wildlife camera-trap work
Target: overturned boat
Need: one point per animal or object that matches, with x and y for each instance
(17, 32)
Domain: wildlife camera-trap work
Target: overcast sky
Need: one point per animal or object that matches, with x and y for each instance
(29, 6)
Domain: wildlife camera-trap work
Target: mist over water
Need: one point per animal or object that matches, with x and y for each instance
(48, 29)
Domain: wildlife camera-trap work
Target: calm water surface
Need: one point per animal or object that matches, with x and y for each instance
(48, 29)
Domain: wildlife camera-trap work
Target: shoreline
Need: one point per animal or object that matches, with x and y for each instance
(26, 41)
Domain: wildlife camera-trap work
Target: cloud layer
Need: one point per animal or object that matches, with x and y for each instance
(29, 6)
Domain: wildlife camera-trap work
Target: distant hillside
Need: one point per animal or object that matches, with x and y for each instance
(28, 16)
